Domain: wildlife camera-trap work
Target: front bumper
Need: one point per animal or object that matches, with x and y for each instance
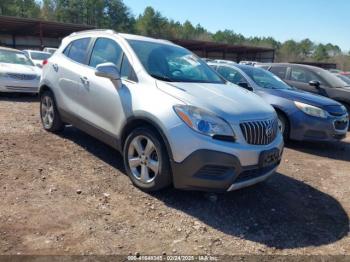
(308, 128)
(19, 86)
(213, 171)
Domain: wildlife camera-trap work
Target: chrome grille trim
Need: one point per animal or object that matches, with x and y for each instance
(261, 132)
(21, 76)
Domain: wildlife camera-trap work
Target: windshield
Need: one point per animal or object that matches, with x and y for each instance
(173, 64)
(330, 78)
(39, 55)
(344, 78)
(264, 78)
(13, 57)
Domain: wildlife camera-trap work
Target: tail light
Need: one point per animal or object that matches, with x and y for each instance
(45, 62)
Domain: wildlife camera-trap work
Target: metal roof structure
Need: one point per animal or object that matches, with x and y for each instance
(16, 26)
(236, 53)
(35, 27)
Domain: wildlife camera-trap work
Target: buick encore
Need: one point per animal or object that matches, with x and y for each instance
(173, 118)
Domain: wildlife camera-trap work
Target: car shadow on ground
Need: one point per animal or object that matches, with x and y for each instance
(281, 212)
(339, 150)
(17, 97)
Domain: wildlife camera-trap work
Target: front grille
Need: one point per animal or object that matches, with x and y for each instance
(260, 132)
(21, 76)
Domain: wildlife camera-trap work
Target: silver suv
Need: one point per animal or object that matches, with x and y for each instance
(174, 119)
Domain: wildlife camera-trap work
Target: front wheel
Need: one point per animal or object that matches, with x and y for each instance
(283, 125)
(146, 160)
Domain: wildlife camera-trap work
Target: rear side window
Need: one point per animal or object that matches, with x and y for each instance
(127, 72)
(106, 50)
(77, 50)
(279, 71)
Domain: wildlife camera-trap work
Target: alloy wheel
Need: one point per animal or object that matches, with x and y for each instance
(47, 111)
(143, 159)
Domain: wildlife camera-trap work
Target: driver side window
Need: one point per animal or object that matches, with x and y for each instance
(231, 75)
(303, 76)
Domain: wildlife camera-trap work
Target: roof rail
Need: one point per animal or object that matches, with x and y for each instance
(94, 30)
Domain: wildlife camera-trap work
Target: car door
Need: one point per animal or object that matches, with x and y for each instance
(300, 78)
(103, 101)
(69, 67)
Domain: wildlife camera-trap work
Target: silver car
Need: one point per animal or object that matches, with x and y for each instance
(174, 119)
(17, 72)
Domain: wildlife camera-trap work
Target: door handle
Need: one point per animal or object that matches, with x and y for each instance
(55, 67)
(84, 80)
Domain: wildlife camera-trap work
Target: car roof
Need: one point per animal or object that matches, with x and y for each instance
(93, 32)
(292, 64)
(9, 49)
(37, 51)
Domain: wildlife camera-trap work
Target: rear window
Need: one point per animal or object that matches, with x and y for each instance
(13, 57)
(77, 50)
(39, 55)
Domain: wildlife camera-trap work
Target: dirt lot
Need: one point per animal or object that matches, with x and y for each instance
(68, 194)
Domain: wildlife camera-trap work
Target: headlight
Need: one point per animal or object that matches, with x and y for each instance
(204, 122)
(311, 110)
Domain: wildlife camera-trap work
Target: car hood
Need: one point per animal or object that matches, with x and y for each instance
(19, 69)
(228, 101)
(325, 103)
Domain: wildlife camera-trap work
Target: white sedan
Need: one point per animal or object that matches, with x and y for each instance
(17, 72)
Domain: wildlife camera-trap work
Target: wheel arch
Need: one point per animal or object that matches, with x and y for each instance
(280, 111)
(135, 122)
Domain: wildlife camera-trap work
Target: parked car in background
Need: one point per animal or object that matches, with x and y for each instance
(312, 79)
(37, 57)
(207, 59)
(50, 50)
(249, 63)
(17, 72)
(344, 78)
(175, 120)
(302, 115)
(222, 61)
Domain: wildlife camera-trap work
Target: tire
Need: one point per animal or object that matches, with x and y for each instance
(283, 125)
(50, 118)
(348, 109)
(146, 160)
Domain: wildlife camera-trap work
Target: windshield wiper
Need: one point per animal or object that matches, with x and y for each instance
(163, 78)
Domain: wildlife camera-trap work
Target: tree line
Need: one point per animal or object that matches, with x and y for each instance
(114, 14)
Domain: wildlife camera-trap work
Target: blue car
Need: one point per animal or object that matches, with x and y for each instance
(302, 115)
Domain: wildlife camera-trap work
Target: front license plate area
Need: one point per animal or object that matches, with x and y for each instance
(269, 157)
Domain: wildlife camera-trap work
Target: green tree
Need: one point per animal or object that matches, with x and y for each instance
(48, 10)
(306, 47)
(152, 23)
(118, 16)
(321, 52)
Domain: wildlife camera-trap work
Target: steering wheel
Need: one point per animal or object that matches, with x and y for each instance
(177, 73)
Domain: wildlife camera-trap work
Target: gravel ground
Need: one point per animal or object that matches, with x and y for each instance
(68, 194)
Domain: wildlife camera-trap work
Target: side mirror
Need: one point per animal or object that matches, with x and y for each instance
(245, 85)
(110, 71)
(39, 65)
(315, 83)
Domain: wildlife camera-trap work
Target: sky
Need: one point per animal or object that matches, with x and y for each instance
(322, 21)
